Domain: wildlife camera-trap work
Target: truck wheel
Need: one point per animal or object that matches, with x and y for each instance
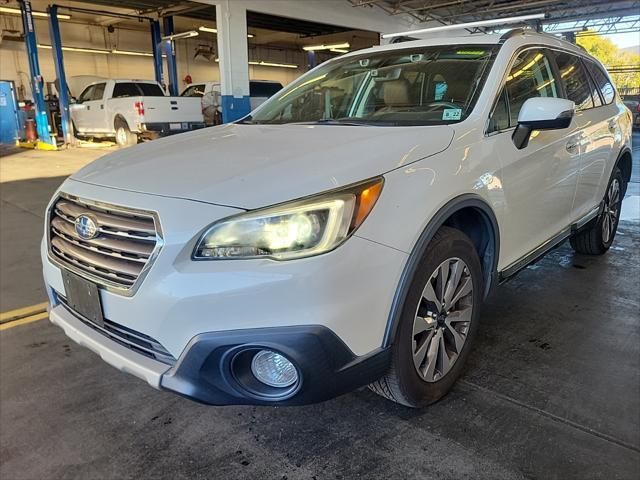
(438, 323)
(124, 136)
(598, 236)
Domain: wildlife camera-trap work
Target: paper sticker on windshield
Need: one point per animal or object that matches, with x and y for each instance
(452, 114)
(440, 90)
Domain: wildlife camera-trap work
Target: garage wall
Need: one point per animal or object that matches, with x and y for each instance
(14, 64)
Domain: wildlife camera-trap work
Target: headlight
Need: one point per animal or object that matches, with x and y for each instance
(292, 230)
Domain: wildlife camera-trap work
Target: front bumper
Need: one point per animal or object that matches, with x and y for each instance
(327, 313)
(205, 371)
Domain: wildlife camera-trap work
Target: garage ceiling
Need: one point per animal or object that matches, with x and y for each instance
(201, 11)
(461, 11)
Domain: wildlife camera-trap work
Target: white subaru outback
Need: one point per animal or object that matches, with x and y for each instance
(345, 233)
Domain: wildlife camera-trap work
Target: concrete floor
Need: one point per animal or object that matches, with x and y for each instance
(552, 389)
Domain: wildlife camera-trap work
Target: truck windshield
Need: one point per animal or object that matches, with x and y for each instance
(420, 86)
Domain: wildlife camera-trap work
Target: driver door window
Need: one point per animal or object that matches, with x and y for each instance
(530, 76)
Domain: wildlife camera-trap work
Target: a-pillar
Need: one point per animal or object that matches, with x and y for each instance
(233, 54)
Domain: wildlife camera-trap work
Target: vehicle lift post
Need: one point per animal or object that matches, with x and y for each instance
(170, 51)
(58, 60)
(46, 141)
(157, 50)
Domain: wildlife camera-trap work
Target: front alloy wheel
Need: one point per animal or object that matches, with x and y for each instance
(437, 324)
(442, 319)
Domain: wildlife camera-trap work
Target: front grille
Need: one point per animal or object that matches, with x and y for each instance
(136, 341)
(125, 241)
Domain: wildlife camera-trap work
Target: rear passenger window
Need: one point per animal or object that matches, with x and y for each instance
(602, 82)
(125, 89)
(150, 90)
(575, 80)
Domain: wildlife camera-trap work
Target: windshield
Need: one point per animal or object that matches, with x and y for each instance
(419, 86)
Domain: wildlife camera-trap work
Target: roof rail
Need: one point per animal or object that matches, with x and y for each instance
(512, 33)
(403, 39)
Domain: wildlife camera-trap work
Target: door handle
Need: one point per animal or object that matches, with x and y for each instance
(101, 106)
(88, 107)
(572, 147)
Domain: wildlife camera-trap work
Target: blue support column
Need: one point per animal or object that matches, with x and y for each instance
(170, 50)
(311, 60)
(157, 50)
(58, 60)
(31, 43)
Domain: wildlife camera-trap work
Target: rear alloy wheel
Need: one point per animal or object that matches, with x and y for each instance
(611, 211)
(438, 322)
(597, 237)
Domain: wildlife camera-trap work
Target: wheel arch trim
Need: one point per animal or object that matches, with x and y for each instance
(437, 221)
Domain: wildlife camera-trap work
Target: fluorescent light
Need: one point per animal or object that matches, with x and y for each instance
(215, 30)
(100, 51)
(177, 36)
(130, 52)
(77, 49)
(208, 29)
(339, 50)
(16, 11)
(262, 63)
(457, 26)
(270, 64)
(326, 47)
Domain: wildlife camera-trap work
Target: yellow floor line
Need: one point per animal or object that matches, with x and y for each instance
(22, 312)
(24, 321)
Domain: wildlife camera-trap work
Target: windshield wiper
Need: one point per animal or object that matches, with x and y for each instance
(345, 121)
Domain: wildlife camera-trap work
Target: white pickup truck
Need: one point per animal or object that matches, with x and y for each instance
(130, 110)
(209, 93)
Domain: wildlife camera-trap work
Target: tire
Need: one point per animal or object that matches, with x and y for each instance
(124, 136)
(419, 374)
(599, 234)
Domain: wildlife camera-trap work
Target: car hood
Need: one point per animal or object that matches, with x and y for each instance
(251, 166)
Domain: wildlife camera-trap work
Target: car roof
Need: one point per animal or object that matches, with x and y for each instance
(518, 36)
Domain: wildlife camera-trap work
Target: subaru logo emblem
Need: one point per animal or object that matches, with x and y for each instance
(86, 227)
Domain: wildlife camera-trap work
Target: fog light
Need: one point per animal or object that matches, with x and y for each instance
(273, 369)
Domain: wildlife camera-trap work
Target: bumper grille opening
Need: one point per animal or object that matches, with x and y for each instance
(120, 251)
(127, 337)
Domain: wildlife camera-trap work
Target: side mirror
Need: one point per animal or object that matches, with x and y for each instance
(542, 113)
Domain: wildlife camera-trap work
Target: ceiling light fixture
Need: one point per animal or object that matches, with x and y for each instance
(178, 36)
(16, 11)
(100, 51)
(457, 26)
(215, 30)
(262, 63)
(339, 50)
(313, 48)
(132, 53)
(271, 64)
(77, 49)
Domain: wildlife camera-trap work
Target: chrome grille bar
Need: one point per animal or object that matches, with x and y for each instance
(125, 243)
